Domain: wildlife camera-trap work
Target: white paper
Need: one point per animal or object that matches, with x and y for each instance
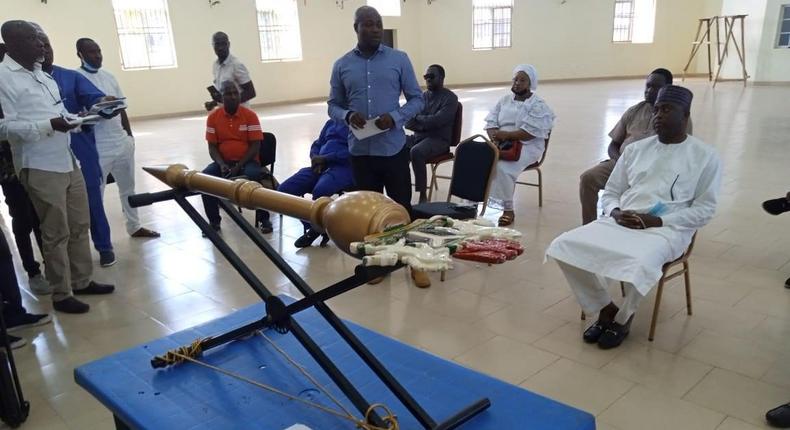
(298, 427)
(369, 130)
(83, 120)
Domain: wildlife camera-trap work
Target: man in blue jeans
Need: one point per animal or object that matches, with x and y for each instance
(329, 173)
(234, 138)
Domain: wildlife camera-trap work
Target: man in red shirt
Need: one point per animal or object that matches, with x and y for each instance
(234, 138)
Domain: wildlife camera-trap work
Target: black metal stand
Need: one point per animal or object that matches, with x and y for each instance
(280, 316)
(14, 409)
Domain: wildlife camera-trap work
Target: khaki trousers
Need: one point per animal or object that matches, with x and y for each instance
(61, 202)
(591, 182)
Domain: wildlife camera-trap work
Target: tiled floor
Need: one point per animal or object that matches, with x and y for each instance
(721, 368)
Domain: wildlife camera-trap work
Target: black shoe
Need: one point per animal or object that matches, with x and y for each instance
(15, 342)
(779, 416)
(95, 288)
(216, 228)
(594, 332)
(307, 238)
(106, 258)
(787, 283)
(614, 335)
(264, 226)
(18, 322)
(324, 240)
(71, 306)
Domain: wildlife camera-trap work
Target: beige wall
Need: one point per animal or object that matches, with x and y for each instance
(570, 40)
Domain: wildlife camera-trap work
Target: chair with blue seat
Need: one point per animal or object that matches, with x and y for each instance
(448, 156)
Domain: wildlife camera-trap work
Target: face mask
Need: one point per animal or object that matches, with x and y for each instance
(87, 67)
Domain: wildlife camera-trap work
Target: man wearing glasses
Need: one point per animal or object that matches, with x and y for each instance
(433, 127)
(35, 126)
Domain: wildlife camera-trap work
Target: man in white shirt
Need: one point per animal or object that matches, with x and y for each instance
(35, 126)
(114, 140)
(228, 68)
(662, 190)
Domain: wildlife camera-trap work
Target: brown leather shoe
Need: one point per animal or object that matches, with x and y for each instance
(421, 279)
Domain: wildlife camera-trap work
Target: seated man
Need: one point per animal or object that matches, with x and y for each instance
(635, 124)
(234, 138)
(330, 173)
(433, 127)
(662, 190)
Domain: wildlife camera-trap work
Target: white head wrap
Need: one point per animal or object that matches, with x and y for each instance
(531, 72)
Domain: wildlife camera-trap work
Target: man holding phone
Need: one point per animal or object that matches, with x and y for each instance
(228, 68)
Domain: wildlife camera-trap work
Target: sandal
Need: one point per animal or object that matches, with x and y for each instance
(777, 206)
(144, 232)
(506, 219)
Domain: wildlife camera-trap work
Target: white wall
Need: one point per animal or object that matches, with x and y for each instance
(570, 40)
(773, 63)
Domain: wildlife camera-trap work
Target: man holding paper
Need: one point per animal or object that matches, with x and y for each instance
(45, 165)
(114, 140)
(79, 95)
(366, 85)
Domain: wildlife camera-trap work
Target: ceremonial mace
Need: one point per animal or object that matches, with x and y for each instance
(346, 219)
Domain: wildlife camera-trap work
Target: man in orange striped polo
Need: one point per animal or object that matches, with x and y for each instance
(234, 138)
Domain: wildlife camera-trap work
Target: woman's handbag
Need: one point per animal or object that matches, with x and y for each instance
(510, 150)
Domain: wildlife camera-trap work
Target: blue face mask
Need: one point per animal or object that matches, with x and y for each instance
(88, 67)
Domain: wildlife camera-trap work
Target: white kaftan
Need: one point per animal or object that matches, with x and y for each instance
(535, 117)
(683, 178)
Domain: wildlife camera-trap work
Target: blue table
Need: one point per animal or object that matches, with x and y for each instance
(189, 396)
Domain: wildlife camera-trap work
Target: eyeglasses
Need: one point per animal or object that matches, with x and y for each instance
(428, 76)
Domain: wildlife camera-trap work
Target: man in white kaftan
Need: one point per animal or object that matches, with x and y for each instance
(662, 190)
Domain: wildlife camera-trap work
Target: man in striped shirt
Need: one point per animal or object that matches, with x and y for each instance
(234, 138)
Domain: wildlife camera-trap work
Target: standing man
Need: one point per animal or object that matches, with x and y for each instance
(433, 127)
(366, 84)
(635, 124)
(23, 216)
(229, 68)
(39, 135)
(114, 140)
(79, 95)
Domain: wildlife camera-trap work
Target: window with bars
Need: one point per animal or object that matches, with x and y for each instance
(634, 21)
(623, 20)
(278, 28)
(783, 35)
(386, 7)
(144, 33)
(492, 24)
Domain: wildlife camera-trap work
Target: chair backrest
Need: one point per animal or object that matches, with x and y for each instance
(457, 125)
(542, 157)
(473, 169)
(268, 151)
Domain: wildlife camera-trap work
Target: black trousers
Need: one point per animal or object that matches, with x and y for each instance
(23, 221)
(9, 288)
(377, 173)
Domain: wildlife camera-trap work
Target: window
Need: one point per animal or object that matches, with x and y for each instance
(386, 7)
(783, 36)
(278, 28)
(491, 27)
(634, 21)
(145, 35)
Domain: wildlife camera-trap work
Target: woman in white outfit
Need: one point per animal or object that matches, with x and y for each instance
(521, 116)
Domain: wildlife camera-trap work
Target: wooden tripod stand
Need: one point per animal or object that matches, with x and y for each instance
(705, 38)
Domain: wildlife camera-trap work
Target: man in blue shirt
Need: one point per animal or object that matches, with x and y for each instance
(80, 94)
(367, 83)
(329, 173)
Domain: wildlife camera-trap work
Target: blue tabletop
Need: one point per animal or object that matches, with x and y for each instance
(188, 396)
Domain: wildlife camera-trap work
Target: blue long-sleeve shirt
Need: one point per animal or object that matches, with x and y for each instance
(332, 143)
(78, 94)
(372, 86)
